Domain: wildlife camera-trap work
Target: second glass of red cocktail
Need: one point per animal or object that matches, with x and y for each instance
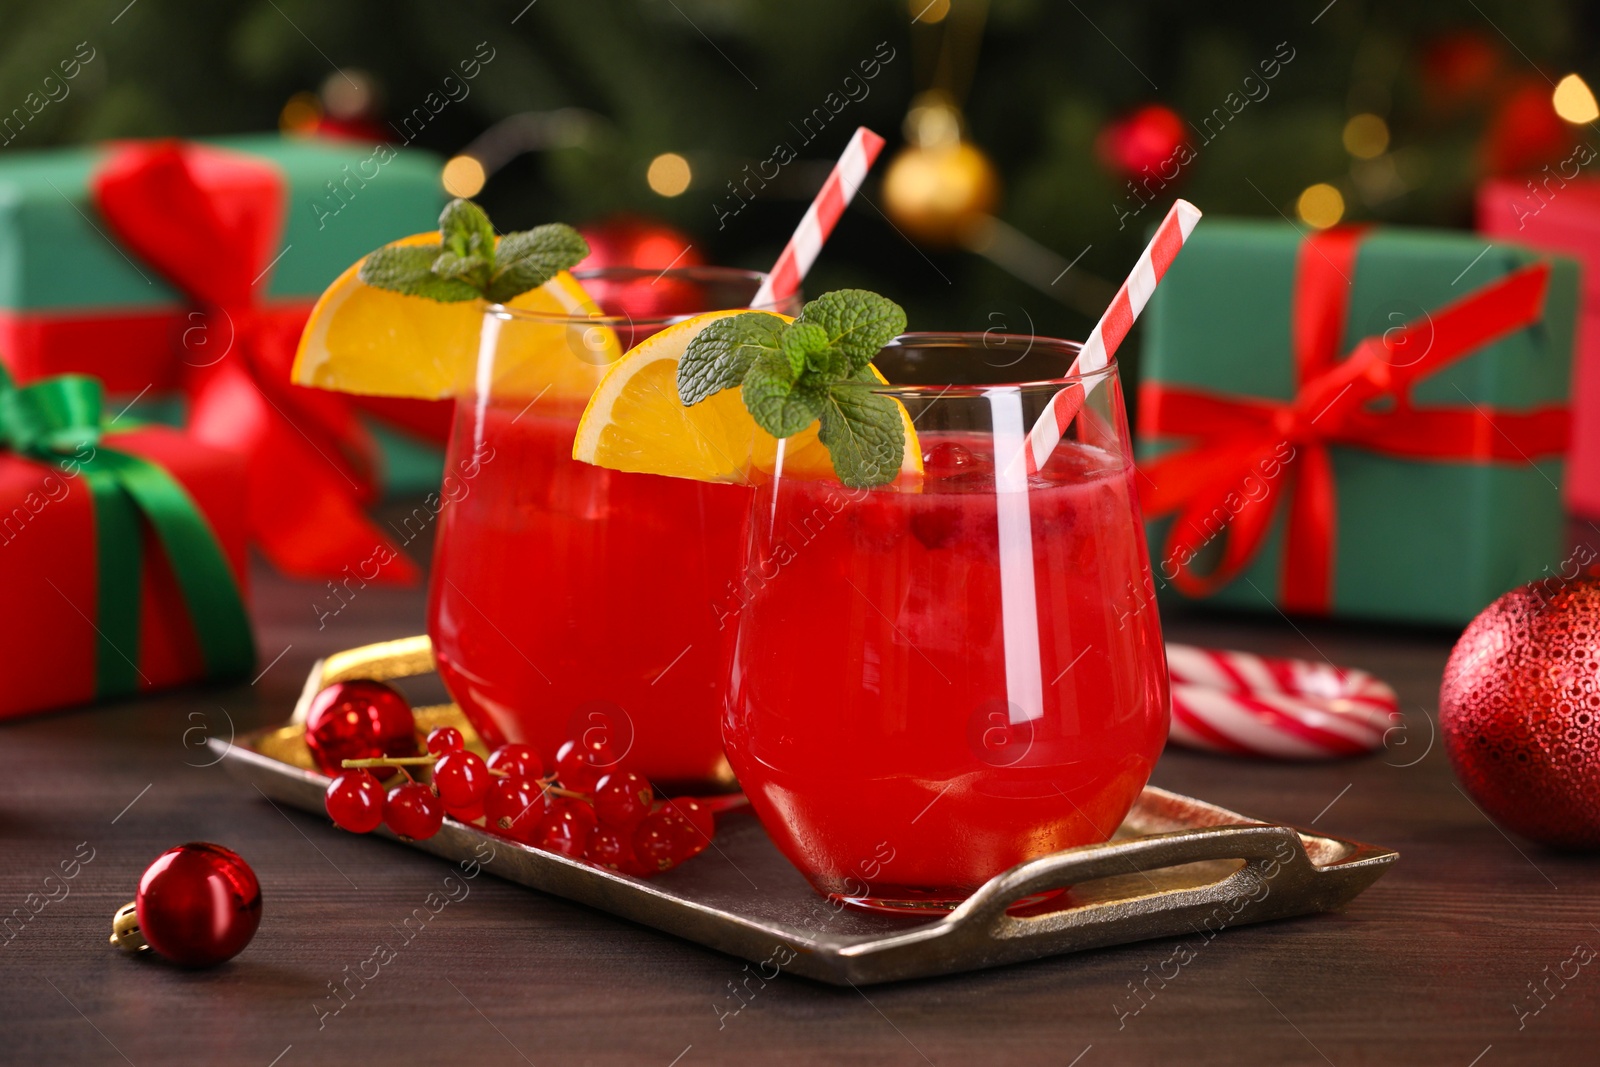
(569, 601)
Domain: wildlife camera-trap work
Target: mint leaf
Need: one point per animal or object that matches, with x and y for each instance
(529, 258)
(805, 345)
(817, 367)
(468, 264)
(466, 230)
(720, 355)
(862, 432)
(857, 322)
(781, 403)
(408, 269)
(474, 269)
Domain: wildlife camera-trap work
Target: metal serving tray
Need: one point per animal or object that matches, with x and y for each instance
(1176, 866)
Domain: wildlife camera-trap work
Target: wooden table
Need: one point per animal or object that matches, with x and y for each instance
(1430, 966)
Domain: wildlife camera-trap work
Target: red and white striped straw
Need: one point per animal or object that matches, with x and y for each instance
(820, 218)
(1112, 328)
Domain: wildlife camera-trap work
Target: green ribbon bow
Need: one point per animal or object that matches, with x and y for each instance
(57, 421)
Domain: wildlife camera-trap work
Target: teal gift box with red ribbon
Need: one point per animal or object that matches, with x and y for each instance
(122, 554)
(1364, 422)
(187, 269)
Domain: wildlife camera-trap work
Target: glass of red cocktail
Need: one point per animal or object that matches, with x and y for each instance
(936, 679)
(570, 601)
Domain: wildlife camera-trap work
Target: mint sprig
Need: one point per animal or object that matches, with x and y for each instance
(468, 264)
(793, 374)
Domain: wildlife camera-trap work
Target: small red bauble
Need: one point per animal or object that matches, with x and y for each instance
(1519, 710)
(358, 719)
(1524, 131)
(644, 248)
(1144, 142)
(635, 241)
(198, 905)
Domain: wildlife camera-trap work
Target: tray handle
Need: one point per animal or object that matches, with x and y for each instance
(1273, 855)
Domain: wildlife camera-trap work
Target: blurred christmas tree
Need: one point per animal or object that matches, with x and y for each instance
(1316, 111)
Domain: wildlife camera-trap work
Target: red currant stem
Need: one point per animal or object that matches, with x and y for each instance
(389, 761)
(570, 794)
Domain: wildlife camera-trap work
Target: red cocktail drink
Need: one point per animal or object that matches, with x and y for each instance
(941, 678)
(569, 600)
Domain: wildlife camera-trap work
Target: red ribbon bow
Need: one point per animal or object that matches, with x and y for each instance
(209, 222)
(1249, 452)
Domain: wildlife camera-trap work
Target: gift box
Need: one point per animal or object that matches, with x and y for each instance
(122, 554)
(189, 269)
(1360, 422)
(1557, 215)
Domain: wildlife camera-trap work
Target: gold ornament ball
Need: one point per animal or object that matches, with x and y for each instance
(937, 194)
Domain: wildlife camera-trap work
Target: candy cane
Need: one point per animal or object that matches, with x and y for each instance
(1243, 704)
(820, 218)
(1110, 331)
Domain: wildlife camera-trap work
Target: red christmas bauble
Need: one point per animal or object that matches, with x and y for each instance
(648, 248)
(359, 719)
(635, 241)
(1525, 132)
(1460, 67)
(198, 904)
(1145, 140)
(1519, 711)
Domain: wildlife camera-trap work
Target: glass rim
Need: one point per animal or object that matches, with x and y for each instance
(725, 275)
(987, 340)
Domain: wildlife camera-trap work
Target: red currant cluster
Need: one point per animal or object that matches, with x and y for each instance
(589, 808)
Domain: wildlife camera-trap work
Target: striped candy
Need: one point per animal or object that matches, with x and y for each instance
(1247, 705)
(820, 218)
(1112, 328)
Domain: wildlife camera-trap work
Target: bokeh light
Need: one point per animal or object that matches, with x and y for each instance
(463, 176)
(1321, 205)
(669, 174)
(1366, 136)
(300, 114)
(1574, 101)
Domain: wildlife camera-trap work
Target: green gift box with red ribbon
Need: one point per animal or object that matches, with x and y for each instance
(189, 268)
(122, 552)
(1363, 422)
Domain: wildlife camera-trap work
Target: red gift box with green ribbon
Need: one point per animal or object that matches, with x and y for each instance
(1367, 422)
(122, 554)
(170, 266)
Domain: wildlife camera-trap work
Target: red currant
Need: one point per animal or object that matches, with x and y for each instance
(358, 720)
(566, 828)
(468, 814)
(674, 832)
(654, 842)
(699, 818)
(461, 779)
(355, 802)
(519, 761)
(622, 800)
(442, 739)
(580, 765)
(412, 811)
(613, 850)
(514, 807)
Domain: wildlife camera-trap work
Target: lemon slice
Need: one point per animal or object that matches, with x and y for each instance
(362, 339)
(635, 422)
